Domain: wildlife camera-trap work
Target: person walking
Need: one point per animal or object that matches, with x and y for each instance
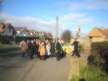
(31, 48)
(52, 43)
(48, 48)
(37, 48)
(34, 47)
(58, 51)
(24, 47)
(42, 50)
(76, 48)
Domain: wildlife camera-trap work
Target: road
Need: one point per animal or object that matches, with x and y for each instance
(24, 69)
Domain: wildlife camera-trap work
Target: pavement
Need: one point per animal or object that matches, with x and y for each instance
(17, 68)
(10, 51)
(12, 67)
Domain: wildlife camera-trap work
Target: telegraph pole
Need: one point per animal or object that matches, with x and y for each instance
(1, 6)
(56, 31)
(57, 28)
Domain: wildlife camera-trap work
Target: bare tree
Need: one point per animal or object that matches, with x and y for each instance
(66, 36)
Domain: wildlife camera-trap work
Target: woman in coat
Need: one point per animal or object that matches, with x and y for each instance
(48, 48)
(24, 47)
(42, 50)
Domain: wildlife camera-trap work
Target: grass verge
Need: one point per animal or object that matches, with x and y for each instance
(91, 73)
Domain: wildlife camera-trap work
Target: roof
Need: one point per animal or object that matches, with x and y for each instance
(101, 32)
(2, 27)
(105, 32)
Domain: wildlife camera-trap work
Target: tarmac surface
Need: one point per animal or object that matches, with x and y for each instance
(17, 68)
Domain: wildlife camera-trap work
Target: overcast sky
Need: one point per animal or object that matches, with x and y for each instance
(41, 14)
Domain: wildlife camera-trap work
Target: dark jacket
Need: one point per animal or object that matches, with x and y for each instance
(58, 47)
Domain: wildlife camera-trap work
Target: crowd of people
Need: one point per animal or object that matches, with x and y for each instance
(45, 49)
(41, 49)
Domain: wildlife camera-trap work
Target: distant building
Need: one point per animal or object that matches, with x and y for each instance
(7, 33)
(99, 34)
(9, 30)
(6, 30)
(23, 31)
(2, 27)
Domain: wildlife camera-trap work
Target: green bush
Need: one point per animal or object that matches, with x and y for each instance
(93, 73)
(75, 78)
(99, 55)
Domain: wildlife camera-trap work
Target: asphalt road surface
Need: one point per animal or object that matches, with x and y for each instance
(17, 68)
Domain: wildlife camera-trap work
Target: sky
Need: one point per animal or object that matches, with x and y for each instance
(41, 14)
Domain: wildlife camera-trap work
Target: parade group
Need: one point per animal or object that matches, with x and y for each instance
(48, 48)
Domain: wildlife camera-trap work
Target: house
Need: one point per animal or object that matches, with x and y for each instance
(9, 30)
(7, 33)
(98, 34)
(22, 31)
(2, 27)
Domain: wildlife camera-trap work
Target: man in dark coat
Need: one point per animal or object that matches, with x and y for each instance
(36, 48)
(59, 50)
(76, 48)
(31, 49)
